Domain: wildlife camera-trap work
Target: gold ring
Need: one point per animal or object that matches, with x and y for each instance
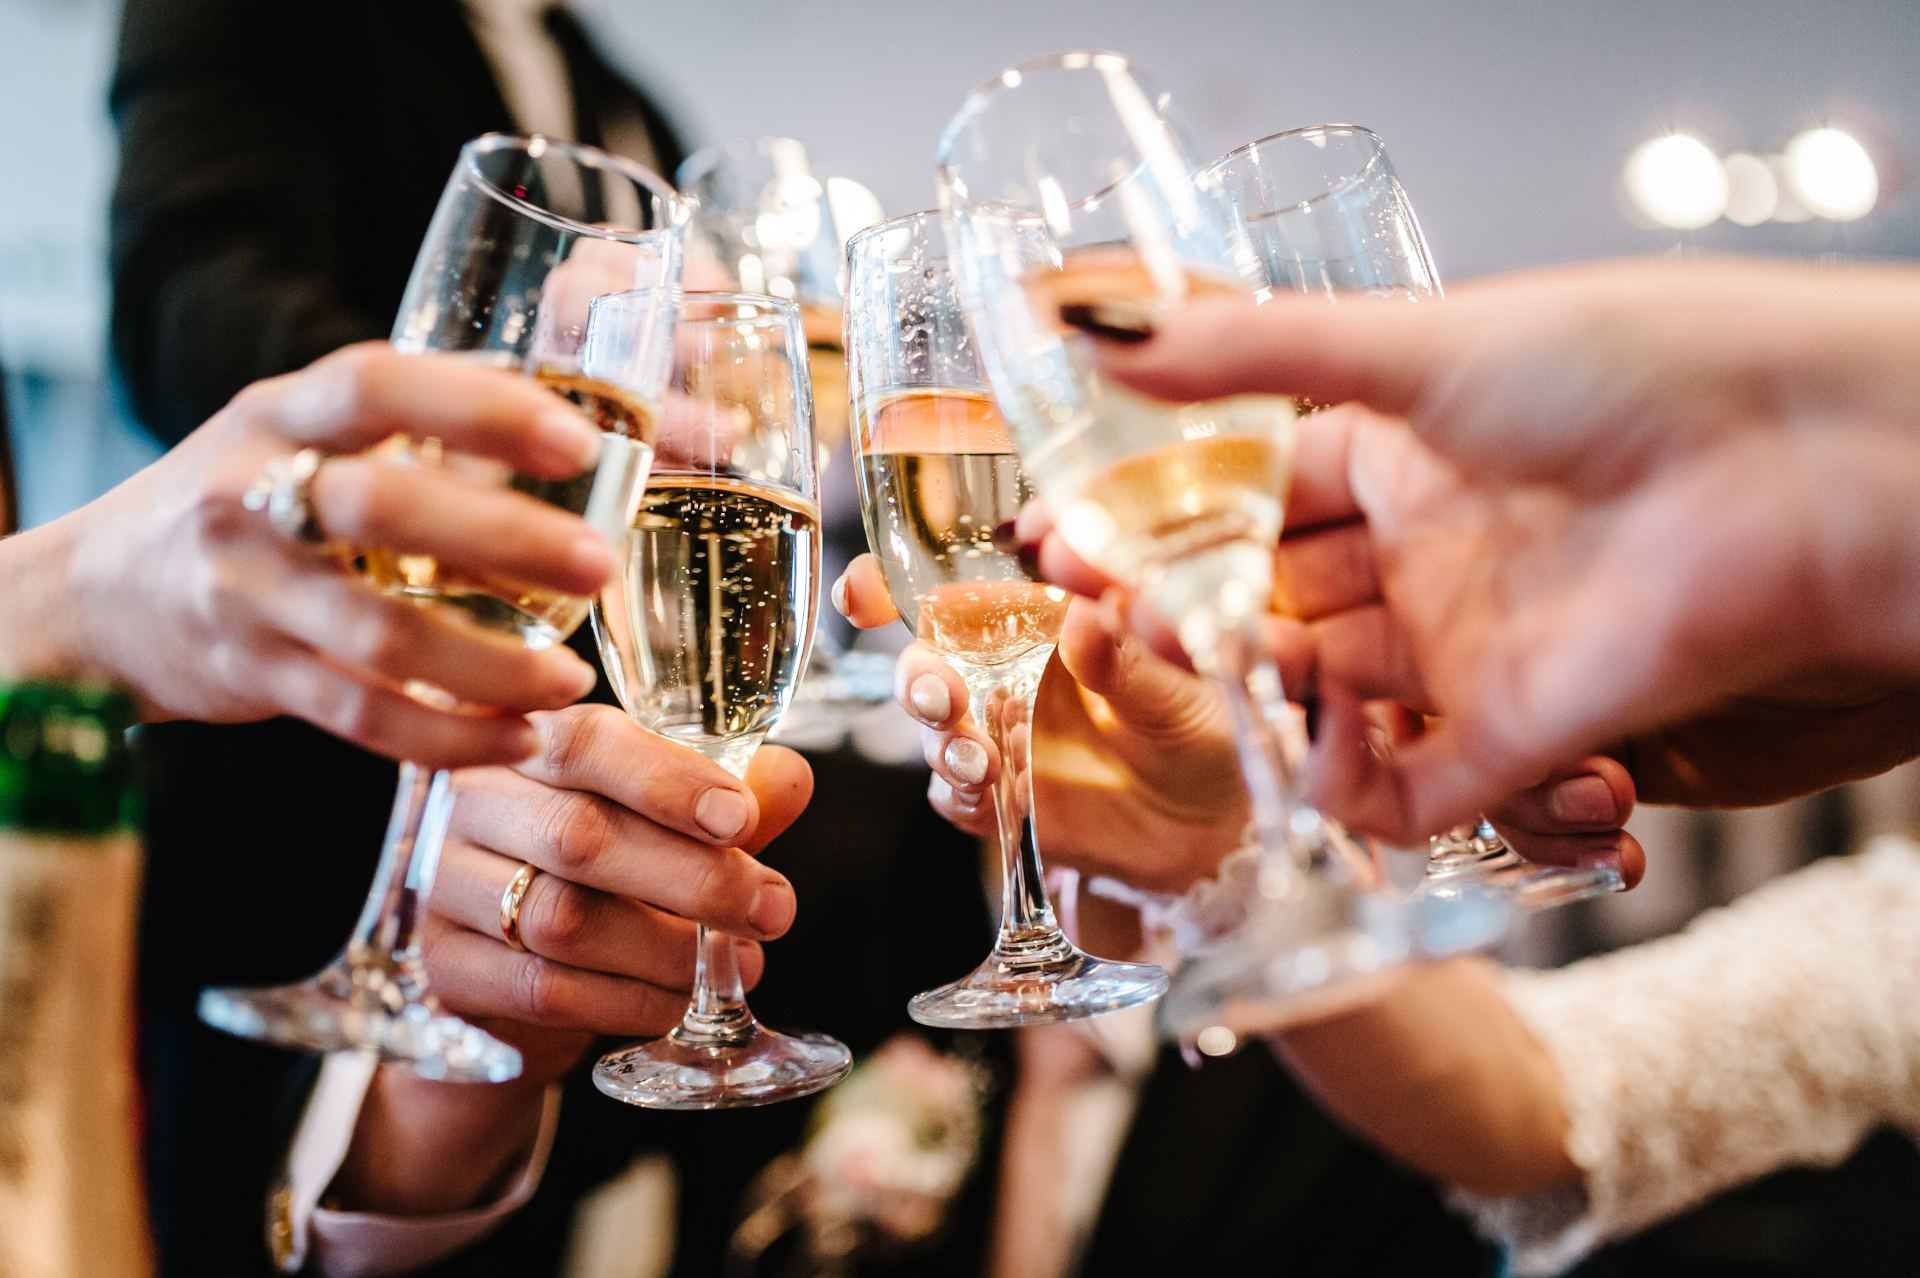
(284, 491)
(510, 906)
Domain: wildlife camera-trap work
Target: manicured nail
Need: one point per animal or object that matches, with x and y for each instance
(967, 761)
(721, 813)
(930, 698)
(571, 437)
(839, 595)
(772, 910)
(1114, 321)
(593, 556)
(586, 678)
(530, 742)
(1582, 800)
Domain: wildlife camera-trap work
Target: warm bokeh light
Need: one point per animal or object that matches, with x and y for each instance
(1216, 1040)
(1833, 174)
(1677, 181)
(1753, 196)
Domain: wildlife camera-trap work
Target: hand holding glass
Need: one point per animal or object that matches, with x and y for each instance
(704, 634)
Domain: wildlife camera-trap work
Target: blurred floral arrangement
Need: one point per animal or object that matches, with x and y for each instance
(885, 1156)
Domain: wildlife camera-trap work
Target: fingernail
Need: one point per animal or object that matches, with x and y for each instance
(1114, 321)
(1584, 800)
(531, 741)
(930, 698)
(585, 676)
(772, 910)
(593, 556)
(1029, 560)
(571, 437)
(967, 761)
(839, 594)
(721, 813)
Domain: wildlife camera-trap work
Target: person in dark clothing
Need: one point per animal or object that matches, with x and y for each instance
(279, 167)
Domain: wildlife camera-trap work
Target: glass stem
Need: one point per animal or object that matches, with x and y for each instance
(384, 952)
(1001, 698)
(718, 1015)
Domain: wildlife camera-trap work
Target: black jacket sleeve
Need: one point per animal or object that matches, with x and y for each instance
(228, 237)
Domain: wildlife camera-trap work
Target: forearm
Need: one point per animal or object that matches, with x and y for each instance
(40, 628)
(1440, 1073)
(422, 1148)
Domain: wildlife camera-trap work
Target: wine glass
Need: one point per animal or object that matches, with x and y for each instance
(1180, 503)
(527, 232)
(1327, 217)
(704, 634)
(940, 486)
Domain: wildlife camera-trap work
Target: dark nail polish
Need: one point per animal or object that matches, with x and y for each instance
(1029, 558)
(1113, 321)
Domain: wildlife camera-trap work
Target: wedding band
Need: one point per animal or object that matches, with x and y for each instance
(510, 906)
(283, 489)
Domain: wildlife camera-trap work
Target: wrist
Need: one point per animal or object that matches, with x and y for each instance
(423, 1148)
(42, 634)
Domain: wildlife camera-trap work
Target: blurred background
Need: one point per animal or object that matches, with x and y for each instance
(1525, 134)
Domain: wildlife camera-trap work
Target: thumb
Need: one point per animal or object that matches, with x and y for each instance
(782, 782)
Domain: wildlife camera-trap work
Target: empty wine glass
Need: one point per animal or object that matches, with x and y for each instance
(704, 633)
(940, 486)
(527, 232)
(1326, 216)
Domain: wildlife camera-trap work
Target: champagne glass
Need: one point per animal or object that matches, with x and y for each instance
(704, 634)
(1327, 217)
(940, 486)
(527, 232)
(1180, 503)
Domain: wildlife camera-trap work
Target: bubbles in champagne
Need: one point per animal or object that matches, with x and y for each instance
(941, 478)
(708, 628)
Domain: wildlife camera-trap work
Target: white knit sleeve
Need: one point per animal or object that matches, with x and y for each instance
(1778, 1031)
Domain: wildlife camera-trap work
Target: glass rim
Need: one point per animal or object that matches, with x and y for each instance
(679, 208)
(782, 308)
(1071, 60)
(708, 158)
(1378, 153)
(891, 224)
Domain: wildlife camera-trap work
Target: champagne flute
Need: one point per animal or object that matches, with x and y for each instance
(940, 486)
(1327, 217)
(1180, 503)
(704, 634)
(527, 232)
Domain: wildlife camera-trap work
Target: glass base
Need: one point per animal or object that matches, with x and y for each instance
(320, 1014)
(1019, 986)
(1310, 946)
(760, 1068)
(1476, 858)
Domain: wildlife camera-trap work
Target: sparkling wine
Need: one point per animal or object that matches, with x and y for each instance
(942, 480)
(716, 602)
(1196, 477)
(538, 616)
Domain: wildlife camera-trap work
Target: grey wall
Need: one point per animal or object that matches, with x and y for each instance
(1508, 122)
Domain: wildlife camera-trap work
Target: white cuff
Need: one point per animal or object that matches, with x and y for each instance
(353, 1244)
(1208, 911)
